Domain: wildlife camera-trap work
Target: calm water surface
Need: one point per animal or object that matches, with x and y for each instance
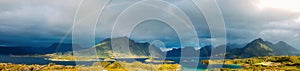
(43, 61)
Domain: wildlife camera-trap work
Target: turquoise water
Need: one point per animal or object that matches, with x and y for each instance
(203, 67)
(192, 69)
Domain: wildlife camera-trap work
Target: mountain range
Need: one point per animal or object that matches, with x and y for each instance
(25, 50)
(255, 48)
(125, 47)
(259, 47)
(122, 47)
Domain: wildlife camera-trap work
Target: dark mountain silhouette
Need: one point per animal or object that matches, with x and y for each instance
(230, 46)
(62, 47)
(21, 50)
(206, 51)
(190, 52)
(183, 52)
(223, 49)
(175, 52)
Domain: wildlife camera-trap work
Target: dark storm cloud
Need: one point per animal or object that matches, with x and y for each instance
(46, 22)
(34, 22)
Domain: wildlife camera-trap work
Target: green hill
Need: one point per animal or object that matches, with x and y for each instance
(255, 48)
(120, 46)
(259, 47)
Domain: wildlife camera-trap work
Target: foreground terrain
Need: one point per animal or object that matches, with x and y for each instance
(97, 66)
(268, 63)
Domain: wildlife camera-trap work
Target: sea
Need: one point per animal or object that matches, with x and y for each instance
(188, 63)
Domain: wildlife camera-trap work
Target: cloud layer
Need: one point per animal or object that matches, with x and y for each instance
(42, 23)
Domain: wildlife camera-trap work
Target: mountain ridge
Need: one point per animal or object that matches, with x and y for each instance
(259, 47)
(126, 47)
(53, 48)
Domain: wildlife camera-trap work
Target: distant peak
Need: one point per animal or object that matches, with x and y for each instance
(124, 37)
(258, 40)
(281, 42)
(109, 39)
(120, 39)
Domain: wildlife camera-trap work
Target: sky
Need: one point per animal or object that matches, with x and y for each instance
(40, 23)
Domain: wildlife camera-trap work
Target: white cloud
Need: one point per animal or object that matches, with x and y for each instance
(297, 20)
(279, 34)
(284, 24)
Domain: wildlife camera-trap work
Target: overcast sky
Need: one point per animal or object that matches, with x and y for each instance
(41, 23)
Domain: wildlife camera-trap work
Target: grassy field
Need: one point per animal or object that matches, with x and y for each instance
(268, 63)
(97, 66)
